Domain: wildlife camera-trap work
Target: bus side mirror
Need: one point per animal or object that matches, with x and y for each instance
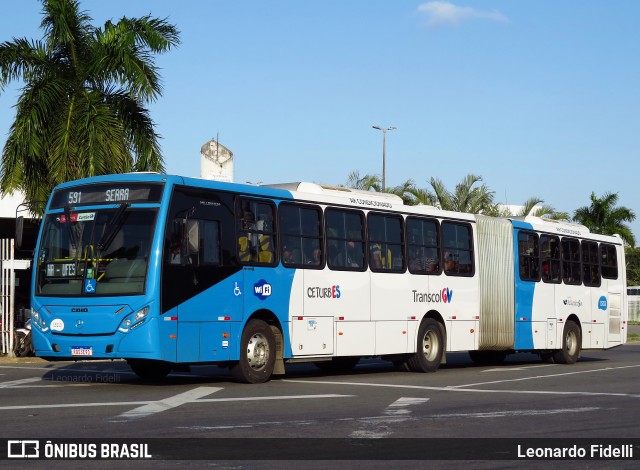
(19, 231)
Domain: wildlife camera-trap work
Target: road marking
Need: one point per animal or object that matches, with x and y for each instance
(507, 414)
(546, 376)
(470, 390)
(72, 405)
(283, 397)
(380, 426)
(399, 407)
(509, 369)
(148, 407)
(14, 383)
(168, 403)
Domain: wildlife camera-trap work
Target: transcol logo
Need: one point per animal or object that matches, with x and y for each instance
(445, 296)
(262, 289)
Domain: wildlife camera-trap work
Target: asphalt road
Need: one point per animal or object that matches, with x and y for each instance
(524, 398)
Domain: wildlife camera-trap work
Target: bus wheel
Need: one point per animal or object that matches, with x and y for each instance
(338, 364)
(22, 344)
(488, 357)
(571, 344)
(257, 353)
(149, 369)
(430, 347)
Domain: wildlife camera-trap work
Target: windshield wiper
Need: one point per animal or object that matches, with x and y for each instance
(112, 227)
(73, 236)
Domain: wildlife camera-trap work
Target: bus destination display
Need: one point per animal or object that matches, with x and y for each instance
(115, 193)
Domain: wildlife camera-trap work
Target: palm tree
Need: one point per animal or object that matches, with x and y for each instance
(602, 216)
(406, 191)
(533, 206)
(364, 183)
(82, 107)
(465, 197)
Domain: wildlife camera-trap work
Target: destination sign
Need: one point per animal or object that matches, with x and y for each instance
(107, 193)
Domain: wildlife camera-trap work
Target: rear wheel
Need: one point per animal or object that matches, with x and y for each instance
(257, 353)
(149, 369)
(430, 347)
(571, 344)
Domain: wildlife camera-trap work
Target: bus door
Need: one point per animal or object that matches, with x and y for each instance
(545, 293)
(202, 285)
(612, 304)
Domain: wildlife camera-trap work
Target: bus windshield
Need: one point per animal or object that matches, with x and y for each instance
(95, 252)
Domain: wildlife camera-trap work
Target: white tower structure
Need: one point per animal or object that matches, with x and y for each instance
(216, 162)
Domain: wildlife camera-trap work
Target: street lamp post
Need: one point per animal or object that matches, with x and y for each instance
(384, 151)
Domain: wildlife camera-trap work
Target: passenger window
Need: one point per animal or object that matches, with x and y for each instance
(345, 240)
(386, 245)
(301, 235)
(550, 259)
(457, 247)
(528, 256)
(608, 261)
(255, 231)
(423, 246)
(571, 261)
(590, 265)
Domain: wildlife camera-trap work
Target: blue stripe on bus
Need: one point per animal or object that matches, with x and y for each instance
(524, 291)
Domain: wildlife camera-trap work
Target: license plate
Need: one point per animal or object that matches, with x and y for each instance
(81, 351)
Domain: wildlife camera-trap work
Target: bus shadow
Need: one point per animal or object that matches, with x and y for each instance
(118, 372)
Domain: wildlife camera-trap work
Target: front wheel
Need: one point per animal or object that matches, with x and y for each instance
(571, 344)
(257, 353)
(22, 346)
(430, 347)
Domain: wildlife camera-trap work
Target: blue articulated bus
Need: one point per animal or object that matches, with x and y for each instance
(167, 271)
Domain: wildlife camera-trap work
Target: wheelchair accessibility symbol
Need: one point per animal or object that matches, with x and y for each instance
(90, 286)
(237, 291)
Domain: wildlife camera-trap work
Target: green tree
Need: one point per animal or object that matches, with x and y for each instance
(407, 191)
(632, 256)
(81, 111)
(466, 197)
(364, 183)
(603, 216)
(533, 206)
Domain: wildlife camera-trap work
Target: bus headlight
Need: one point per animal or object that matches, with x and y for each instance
(140, 314)
(38, 320)
(135, 321)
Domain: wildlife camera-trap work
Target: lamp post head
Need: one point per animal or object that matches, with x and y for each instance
(385, 129)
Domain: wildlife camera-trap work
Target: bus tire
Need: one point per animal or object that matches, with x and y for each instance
(149, 369)
(571, 344)
(257, 353)
(22, 344)
(338, 364)
(488, 357)
(430, 347)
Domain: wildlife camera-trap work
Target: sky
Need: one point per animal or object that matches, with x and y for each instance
(538, 97)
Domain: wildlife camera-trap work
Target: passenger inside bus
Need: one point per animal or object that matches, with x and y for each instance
(316, 257)
(287, 257)
(376, 257)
